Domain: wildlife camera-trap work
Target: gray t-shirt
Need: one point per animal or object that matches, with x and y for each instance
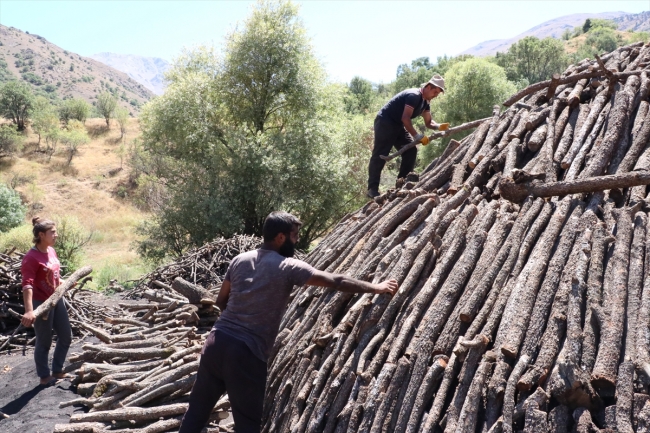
(260, 284)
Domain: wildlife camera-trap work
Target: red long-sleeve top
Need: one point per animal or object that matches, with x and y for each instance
(41, 273)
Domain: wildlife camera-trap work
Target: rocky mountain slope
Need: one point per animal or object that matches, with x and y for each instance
(148, 71)
(555, 27)
(56, 72)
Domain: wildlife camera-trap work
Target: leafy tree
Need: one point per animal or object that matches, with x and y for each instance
(599, 40)
(75, 108)
(360, 95)
(421, 70)
(533, 60)
(106, 104)
(122, 117)
(44, 117)
(239, 135)
(595, 23)
(52, 138)
(75, 137)
(473, 87)
(12, 210)
(16, 101)
(10, 140)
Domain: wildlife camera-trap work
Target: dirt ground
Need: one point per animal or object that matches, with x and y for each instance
(32, 408)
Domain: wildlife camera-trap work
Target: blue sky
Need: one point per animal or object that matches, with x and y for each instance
(366, 38)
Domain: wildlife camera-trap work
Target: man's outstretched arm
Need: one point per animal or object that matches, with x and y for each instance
(344, 283)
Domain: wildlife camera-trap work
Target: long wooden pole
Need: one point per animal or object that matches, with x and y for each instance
(434, 136)
(518, 192)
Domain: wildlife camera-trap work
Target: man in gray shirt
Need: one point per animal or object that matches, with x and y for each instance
(253, 297)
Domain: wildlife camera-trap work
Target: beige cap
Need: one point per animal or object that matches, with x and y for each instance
(437, 81)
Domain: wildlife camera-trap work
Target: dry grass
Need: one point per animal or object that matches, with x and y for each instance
(84, 190)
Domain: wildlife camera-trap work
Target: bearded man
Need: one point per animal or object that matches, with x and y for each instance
(254, 294)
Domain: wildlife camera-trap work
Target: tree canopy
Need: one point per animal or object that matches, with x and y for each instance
(532, 59)
(16, 102)
(245, 132)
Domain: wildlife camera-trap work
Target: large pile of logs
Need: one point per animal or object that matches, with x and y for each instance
(530, 314)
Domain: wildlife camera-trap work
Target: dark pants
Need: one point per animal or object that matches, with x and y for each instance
(227, 365)
(387, 136)
(57, 320)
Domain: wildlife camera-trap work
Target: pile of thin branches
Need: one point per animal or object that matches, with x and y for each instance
(205, 265)
(515, 312)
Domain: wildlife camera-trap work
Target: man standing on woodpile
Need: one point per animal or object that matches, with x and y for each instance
(253, 297)
(394, 128)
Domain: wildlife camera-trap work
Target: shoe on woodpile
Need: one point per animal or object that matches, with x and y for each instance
(372, 193)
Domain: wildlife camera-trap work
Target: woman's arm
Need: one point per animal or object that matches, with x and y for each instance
(28, 317)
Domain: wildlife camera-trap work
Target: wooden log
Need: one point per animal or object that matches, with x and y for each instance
(638, 144)
(131, 413)
(635, 285)
(476, 348)
(425, 393)
(535, 420)
(489, 140)
(537, 138)
(600, 243)
(522, 300)
(437, 408)
(574, 97)
(468, 417)
(624, 397)
(509, 394)
(618, 117)
(642, 351)
(536, 118)
(543, 302)
(518, 192)
(194, 293)
(584, 128)
(565, 140)
(612, 320)
(558, 419)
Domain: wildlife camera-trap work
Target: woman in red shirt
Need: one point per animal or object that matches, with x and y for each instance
(41, 276)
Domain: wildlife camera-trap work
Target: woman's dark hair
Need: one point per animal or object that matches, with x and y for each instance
(279, 222)
(40, 226)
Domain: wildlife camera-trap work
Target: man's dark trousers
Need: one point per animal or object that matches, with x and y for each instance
(227, 365)
(387, 135)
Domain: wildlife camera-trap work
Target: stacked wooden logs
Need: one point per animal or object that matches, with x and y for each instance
(139, 377)
(530, 314)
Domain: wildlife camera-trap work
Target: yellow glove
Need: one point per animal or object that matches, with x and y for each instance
(420, 138)
(443, 126)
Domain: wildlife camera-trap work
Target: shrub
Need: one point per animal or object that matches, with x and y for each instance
(30, 77)
(10, 140)
(12, 210)
(73, 237)
(19, 237)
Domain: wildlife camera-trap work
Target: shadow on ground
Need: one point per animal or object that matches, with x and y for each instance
(32, 408)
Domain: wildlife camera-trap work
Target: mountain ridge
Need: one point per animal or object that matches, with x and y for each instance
(555, 27)
(56, 72)
(148, 71)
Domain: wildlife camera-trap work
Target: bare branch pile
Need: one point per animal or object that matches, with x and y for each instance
(205, 266)
(526, 315)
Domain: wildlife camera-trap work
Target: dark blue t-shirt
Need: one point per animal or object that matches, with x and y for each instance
(394, 109)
